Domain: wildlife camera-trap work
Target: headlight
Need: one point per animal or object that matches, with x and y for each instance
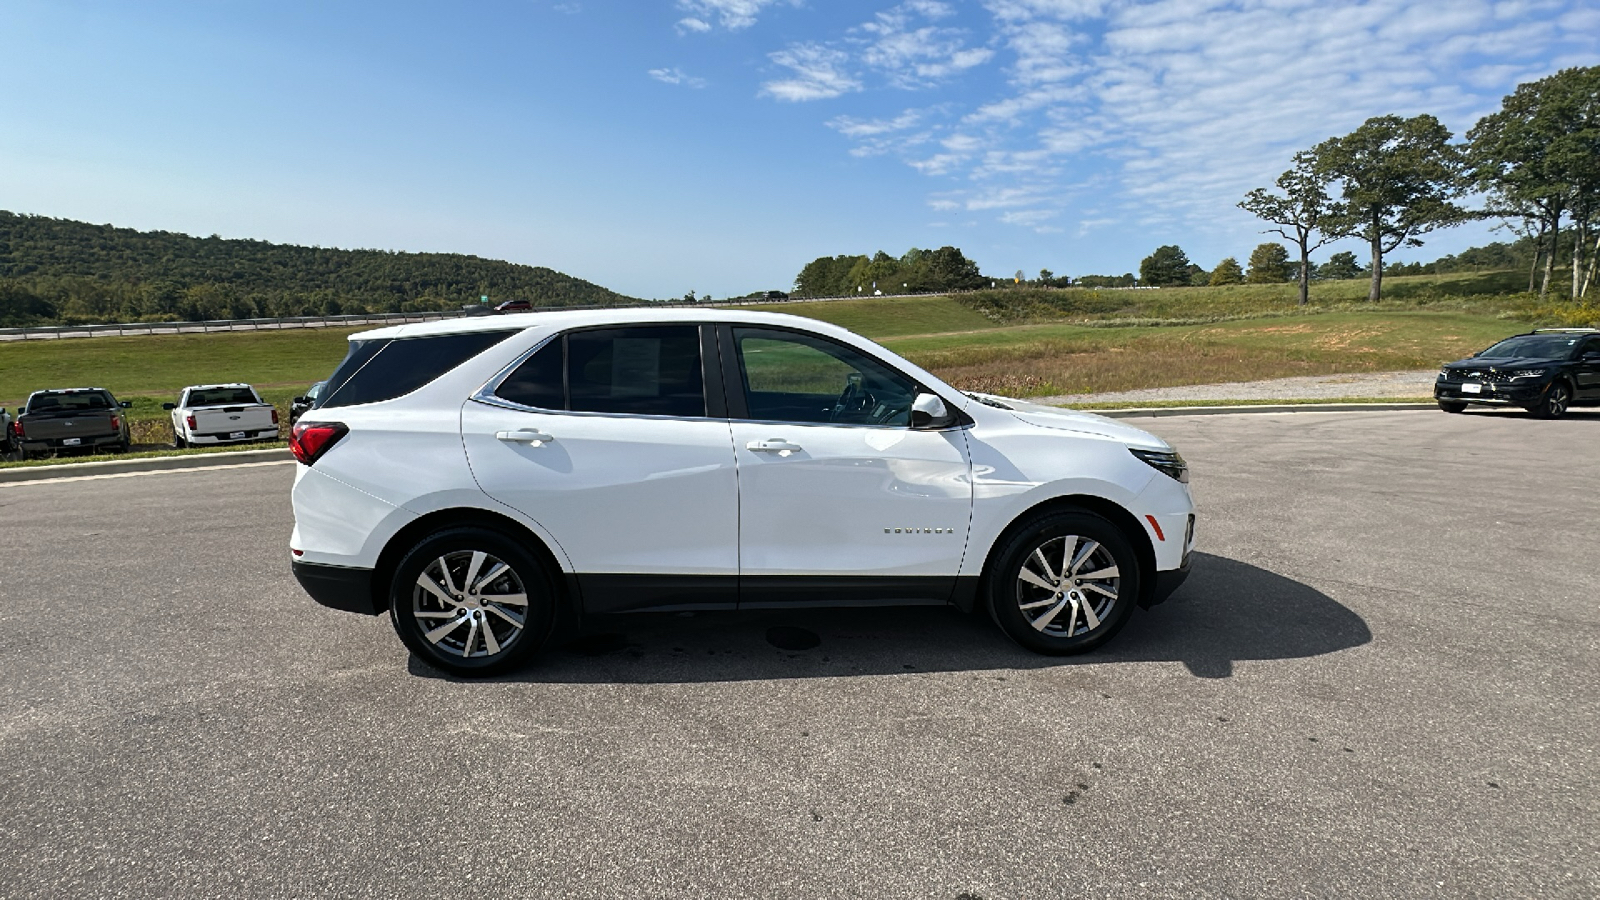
(1168, 462)
(1528, 373)
(1444, 375)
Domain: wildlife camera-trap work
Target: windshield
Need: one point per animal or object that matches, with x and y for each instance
(1543, 346)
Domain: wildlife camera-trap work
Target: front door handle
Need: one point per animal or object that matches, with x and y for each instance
(773, 445)
(527, 436)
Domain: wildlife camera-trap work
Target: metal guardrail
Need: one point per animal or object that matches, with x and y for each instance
(57, 332)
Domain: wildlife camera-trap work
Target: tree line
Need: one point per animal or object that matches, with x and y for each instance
(1536, 162)
(57, 271)
(914, 272)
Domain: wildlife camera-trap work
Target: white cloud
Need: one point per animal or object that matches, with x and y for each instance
(690, 23)
(819, 73)
(676, 75)
(859, 128)
(917, 57)
(730, 14)
(1165, 113)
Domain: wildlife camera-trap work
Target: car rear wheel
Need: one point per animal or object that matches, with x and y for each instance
(472, 602)
(1064, 583)
(1451, 406)
(178, 442)
(1555, 402)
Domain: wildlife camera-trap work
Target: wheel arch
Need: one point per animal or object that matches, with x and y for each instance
(401, 541)
(1110, 510)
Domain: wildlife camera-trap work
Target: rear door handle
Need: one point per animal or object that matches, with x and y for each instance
(773, 445)
(526, 436)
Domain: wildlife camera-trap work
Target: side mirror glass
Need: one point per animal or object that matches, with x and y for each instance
(928, 411)
(302, 400)
(169, 406)
(126, 404)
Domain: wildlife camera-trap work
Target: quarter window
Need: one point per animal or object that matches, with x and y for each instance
(793, 377)
(383, 370)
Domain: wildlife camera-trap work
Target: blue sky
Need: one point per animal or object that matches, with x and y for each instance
(718, 145)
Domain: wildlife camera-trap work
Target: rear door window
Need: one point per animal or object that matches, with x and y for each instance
(649, 370)
(375, 371)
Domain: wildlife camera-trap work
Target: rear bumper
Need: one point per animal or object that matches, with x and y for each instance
(337, 587)
(84, 443)
(269, 434)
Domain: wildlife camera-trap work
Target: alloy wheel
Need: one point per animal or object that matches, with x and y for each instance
(1067, 586)
(470, 604)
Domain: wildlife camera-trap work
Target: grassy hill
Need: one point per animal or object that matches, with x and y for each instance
(61, 271)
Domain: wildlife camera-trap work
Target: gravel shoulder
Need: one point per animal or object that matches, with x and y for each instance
(1366, 385)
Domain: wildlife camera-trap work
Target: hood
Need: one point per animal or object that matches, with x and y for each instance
(1480, 363)
(1063, 419)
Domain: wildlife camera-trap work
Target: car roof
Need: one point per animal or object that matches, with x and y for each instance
(207, 387)
(557, 320)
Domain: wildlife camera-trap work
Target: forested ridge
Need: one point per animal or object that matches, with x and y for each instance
(67, 272)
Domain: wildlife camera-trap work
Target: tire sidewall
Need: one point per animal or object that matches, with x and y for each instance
(536, 581)
(1547, 409)
(1001, 583)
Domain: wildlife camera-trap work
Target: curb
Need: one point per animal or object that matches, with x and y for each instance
(152, 464)
(1155, 412)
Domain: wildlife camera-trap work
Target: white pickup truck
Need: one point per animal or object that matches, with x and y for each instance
(221, 414)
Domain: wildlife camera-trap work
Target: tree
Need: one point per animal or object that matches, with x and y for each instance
(1298, 211)
(1538, 158)
(826, 276)
(1339, 266)
(1227, 272)
(1167, 266)
(1269, 264)
(1398, 178)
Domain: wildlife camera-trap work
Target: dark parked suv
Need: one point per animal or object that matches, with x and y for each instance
(1546, 372)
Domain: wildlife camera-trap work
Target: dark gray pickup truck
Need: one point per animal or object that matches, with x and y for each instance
(69, 420)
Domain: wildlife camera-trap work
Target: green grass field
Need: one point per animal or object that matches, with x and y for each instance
(1021, 343)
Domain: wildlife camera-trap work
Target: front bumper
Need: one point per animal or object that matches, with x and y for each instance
(337, 587)
(1505, 393)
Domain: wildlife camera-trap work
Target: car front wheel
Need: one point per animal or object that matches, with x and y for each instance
(1555, 402)
(1064, 583)
(471, 601)
(1451, 406)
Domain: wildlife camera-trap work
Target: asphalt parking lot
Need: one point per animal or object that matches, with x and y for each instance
(1380, 681)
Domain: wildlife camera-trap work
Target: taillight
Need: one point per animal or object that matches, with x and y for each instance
(274, 415)
(116, 423)
(190, 420)
(309, 440)
(16, 427)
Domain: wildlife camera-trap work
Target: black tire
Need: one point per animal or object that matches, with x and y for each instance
(1451, 406)
(178, 443)
(1555, 403)
(1009, 594)
(466, 650)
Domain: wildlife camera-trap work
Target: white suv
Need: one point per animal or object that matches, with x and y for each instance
(491, 481)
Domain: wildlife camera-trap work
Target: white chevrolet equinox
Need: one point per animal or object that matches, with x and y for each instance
(492, 481)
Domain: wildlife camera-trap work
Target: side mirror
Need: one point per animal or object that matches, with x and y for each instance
(126, 404)
(302, 400)
(169, 406)
(928, 411)
(1589, 356)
